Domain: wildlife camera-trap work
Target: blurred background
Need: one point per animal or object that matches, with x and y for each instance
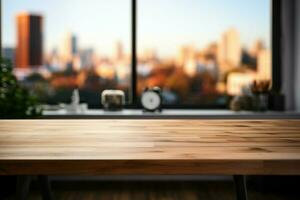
(199, 52)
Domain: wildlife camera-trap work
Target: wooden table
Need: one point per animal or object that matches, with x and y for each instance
(150, 147)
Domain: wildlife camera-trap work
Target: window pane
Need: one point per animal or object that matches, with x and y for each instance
(59, 45)
(201, 51)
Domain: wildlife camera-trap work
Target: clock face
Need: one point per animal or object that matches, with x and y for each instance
(150, 100)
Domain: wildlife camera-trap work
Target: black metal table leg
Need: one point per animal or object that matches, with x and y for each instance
(46, 187)
(241, 187)
(23, 185)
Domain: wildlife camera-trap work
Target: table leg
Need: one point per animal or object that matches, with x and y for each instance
(240, 187)
(23, 185)
(46, 187)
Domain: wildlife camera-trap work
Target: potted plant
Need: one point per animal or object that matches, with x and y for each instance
(16, 102)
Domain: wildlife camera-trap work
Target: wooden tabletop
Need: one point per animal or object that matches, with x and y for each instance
(113, 147)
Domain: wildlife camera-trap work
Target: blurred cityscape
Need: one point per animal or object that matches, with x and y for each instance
(53, 76)
(206, 76)
(193, 77)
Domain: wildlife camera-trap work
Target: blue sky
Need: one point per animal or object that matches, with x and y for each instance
(162, 24)
(97, 23)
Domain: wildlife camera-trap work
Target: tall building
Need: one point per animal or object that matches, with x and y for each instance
(230, 49)
(118, 51)
(9, 53)
(257, 47)
(87, 57)
(264, 65)
(29, 51)
(69, 47)
(185, 54)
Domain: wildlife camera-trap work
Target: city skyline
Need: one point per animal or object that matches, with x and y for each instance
(182, 49)
(104, 45)
(90, 24)
(200, 22)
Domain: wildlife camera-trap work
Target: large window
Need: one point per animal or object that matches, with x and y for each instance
(200, 52)
(60, 45)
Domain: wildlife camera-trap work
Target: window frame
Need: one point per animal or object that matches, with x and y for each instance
(276, 31)
(276, 27)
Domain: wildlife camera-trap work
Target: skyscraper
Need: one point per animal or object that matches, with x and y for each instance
(9, 53)
(185, 54)
(264, 65)
(257, 47)
(29, 51)
(69, 47)
(230, 49)
(118, 51)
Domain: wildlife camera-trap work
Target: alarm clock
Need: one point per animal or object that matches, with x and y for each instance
(151, 99)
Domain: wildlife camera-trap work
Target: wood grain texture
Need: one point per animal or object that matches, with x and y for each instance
(150, 147)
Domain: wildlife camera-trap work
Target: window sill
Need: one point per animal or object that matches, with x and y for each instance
(169, 114)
